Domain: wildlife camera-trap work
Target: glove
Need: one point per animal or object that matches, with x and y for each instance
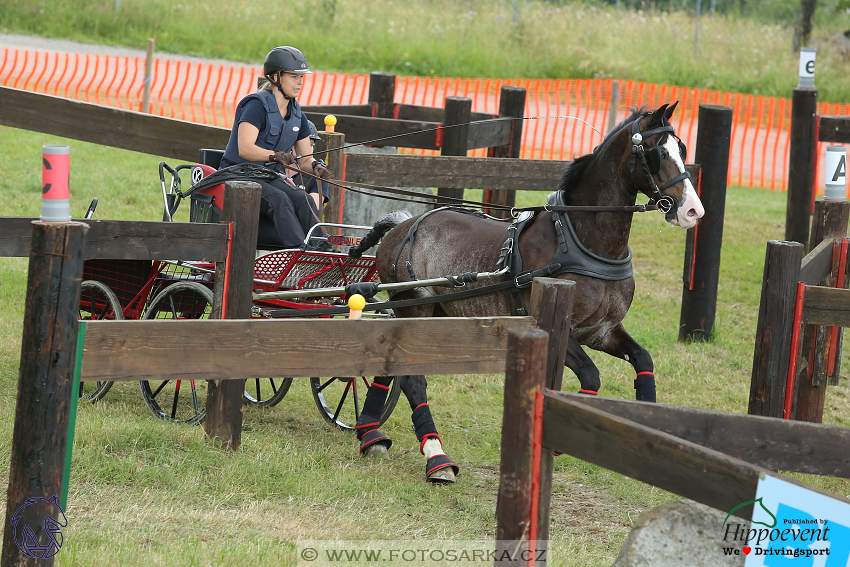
(282, 158)
(321, 170)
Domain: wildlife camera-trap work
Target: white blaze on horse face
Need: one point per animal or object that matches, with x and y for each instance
(690, 207)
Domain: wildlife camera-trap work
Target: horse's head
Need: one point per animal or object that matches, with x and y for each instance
(657, 165)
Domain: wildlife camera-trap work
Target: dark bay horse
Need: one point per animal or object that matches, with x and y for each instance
(642, 154)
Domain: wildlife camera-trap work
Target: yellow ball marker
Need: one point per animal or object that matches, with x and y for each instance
(330, 122)
(356, 303)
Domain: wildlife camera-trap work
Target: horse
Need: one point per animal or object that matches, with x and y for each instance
(641, 154)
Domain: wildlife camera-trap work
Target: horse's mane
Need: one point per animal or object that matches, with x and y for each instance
(574, 172)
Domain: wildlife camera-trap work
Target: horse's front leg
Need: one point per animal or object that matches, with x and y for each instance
(620, 344)
(438, 466)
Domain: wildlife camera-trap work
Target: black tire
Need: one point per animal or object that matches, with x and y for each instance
(266, 392)
(97, 303)
(331, 395)
(183, 300)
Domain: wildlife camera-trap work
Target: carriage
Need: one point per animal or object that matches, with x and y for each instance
(177, 290)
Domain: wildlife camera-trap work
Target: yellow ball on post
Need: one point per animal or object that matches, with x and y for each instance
(356, 303)
(330, 122)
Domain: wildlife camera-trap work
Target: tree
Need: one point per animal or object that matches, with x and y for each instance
(805, 22)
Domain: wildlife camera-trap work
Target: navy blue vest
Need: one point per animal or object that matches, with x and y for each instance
(277, 135)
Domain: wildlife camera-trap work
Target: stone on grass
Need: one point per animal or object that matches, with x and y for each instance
(679, 533)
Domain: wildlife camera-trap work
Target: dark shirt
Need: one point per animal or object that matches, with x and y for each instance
(254, 113)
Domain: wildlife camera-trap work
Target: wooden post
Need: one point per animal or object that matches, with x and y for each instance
(224, 399)
(458, 111)
(524, 378)
(334, 157)
(146, 95)
(46, 396)
(828, 222)
(699, 295)
(552, 305)
(804, 109)
(511, 105)
(773, 330)
(614, 105)
(382, 94)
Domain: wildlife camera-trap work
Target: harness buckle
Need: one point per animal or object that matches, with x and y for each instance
(514, 213)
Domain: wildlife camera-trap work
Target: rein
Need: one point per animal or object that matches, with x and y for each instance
(455, 201)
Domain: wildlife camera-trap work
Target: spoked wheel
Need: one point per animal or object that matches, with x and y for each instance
(266, 392)
(97, 303)
(182, 401)
(340, 399)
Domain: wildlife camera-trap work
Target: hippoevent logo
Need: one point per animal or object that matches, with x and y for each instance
(39, 513)
(790, 532)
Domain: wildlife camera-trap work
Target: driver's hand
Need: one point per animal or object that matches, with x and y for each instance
(321, 170)
(283, 158)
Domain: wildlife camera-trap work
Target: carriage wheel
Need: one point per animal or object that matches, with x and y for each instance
(181, 401)
(340, 399)
(266, 392)
(97, 303)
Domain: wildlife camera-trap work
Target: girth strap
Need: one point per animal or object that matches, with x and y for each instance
(409, 239)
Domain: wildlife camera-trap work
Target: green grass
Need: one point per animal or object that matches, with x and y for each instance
(547, 40)
(150, 493)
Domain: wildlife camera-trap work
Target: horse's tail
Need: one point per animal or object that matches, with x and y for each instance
(383, 226)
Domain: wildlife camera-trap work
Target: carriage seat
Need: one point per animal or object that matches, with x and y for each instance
(206, 204)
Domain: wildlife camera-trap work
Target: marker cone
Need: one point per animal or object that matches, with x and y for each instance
(55, 191)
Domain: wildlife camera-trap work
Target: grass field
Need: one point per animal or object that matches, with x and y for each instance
(474, 38)
(150, 493)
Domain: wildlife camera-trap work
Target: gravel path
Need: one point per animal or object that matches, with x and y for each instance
(66, 46)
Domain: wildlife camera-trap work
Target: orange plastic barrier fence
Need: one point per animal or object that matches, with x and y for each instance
(208, 93)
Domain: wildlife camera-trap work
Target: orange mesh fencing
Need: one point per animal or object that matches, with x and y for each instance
(207, 93)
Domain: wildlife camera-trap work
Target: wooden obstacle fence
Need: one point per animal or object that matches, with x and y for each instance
(230, 245)
(707, 456)
(226, 351)
(801, 316)
(175, 138)
(807, 129)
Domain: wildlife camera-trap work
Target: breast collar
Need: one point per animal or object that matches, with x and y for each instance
(571, 256)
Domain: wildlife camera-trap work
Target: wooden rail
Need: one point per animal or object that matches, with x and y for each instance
(124, 129)
(128, 240)
(505, 174)
(238, 349)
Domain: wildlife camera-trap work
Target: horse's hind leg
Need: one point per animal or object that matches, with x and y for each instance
(578, 361)
(373, 443)
(438, 466)
(620, 343)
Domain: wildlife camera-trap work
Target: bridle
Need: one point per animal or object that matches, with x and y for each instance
(651, 161)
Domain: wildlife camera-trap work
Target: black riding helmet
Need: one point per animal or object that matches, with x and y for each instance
(284, 59)
(314, 133)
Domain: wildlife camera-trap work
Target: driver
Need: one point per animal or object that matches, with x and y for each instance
(267, 126)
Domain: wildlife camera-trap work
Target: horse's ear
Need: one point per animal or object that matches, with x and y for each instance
(670, 110)
(658, 115)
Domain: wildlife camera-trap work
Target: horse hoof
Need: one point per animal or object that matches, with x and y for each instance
(442, 476)
(439, 468)
(376, 451)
